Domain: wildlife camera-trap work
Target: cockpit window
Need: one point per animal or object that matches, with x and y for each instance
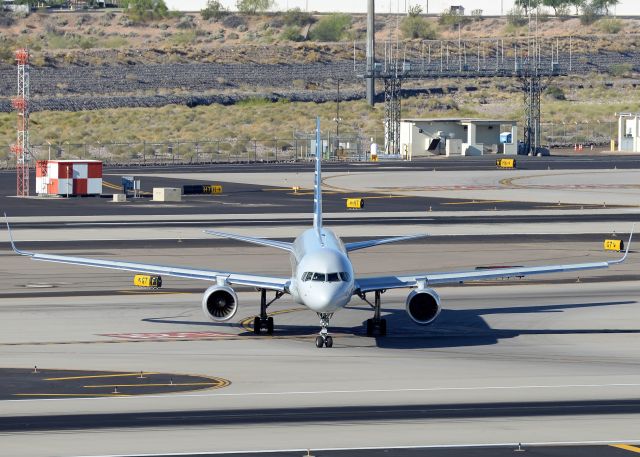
(322, 277)
(333, 277)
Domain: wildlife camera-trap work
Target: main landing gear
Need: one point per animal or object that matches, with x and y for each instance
(324, 339)
(264, 322)
(377, 325)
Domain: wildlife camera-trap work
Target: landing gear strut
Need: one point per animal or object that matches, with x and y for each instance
(264, 322)
(324, 339)
(377, 325)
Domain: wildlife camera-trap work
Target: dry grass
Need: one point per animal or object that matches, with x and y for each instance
(58, 35)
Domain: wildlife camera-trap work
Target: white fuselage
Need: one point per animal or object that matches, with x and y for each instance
(322, 274)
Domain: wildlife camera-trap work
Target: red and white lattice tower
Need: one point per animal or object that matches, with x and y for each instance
(21, 105)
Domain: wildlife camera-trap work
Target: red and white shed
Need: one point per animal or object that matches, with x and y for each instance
(69, 177)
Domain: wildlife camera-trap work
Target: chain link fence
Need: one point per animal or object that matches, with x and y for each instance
(348, 148)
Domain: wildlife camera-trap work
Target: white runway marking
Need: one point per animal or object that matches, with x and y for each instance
(432, 446)
(350, 392)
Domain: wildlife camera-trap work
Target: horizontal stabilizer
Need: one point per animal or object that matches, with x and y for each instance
(369, 243)
(249, 239)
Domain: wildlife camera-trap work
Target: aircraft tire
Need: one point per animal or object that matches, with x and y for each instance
(319, 341)
(369, 327)
(256, 325)
(270, 325)
(383, 327)
(328, 341)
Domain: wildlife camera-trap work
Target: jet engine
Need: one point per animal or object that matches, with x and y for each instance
(423, 306)
(220, 303)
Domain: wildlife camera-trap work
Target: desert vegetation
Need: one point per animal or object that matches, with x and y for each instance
(219, 73)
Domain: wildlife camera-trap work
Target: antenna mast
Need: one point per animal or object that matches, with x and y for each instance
(21, 105)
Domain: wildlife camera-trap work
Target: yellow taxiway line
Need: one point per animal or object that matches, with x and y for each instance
(72, 395)
(119, 375)
(627, 447)
(164, 384)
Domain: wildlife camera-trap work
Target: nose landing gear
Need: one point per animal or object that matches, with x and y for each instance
(324, 339)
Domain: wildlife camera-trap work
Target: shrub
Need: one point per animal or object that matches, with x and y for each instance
(183, 38)
(451, 19)
(213, 10)
(186, 22)
(233, 22)
(589, 14)
(620, 69)
(417, 27)
(414, 11)
(555, 92)
(145, 10)
(298, 17)
(612, 26)
(292, 33)
(331, 28)
(114, 42)
(516, 17)
(254, 6)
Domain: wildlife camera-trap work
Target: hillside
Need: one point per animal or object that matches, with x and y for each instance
(95, 71)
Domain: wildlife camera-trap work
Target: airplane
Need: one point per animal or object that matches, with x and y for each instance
(322, 276)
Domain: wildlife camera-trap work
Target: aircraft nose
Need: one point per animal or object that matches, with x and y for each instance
(324, 299)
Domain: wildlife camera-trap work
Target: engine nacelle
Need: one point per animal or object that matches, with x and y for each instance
(423, 306)
(220, 303)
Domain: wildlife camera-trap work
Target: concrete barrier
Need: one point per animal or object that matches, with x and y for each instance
(166, 194)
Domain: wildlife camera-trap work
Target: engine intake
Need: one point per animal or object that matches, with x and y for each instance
(220, 303)
(423, 306)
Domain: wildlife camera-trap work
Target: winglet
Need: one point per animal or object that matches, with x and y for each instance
(626, 251)
(13, 245)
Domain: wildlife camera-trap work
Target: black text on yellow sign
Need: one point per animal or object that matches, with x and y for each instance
(506, 163)
(355, 203)
(152, 281)
(212, 189)
(613, 245)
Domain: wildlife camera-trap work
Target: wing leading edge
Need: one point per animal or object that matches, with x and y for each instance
(264, 282)
(428, 279)
(370, 243)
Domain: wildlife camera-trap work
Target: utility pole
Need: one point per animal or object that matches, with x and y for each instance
(371, 54)
(337, 119)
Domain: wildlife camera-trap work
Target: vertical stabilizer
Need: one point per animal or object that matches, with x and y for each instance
(317, 191)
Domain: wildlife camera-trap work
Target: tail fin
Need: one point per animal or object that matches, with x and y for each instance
(317, 190)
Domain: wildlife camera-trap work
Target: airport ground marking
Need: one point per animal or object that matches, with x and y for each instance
(72, 395)
(477, 202)
(247, 322)
(164, 384)
(118, 375)
(351, 392)
(627, 447)
(372, 448)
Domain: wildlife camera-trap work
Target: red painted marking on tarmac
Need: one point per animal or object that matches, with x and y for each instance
(167, 335)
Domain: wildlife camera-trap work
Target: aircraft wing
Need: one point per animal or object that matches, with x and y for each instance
(429, 279)
(263, 282)
(370, 243)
